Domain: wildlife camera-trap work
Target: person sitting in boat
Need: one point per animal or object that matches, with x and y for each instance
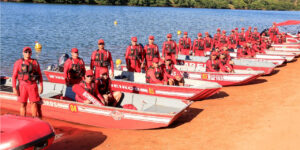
(257, 48)
(199, 46)
(208, 41)
(241, 37)
(173, 75)
(273, 31)
(278, 39)
(216, 38)
(151, 51)
(232, 40)
(101, 59)
(245, 51)
(111, 98)
(155, 74)
(225, 62)
(213, 64)
(134, 56)
(226, 50)
(90, 86)
(223, 40)
(255, 36)
(74, 68)
(283, 36)
(248, 34)
(27, 71)
(170, 48)
(185, 44)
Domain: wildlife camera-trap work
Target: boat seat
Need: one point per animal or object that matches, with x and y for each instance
(49, 95)
(162, 109)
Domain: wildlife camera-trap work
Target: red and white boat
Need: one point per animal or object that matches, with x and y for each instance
(239, 77)
(24, 132)
(286, 46)
(134, 82)
(271, 57)
(282, 52)
(152, 111)
(240, 64)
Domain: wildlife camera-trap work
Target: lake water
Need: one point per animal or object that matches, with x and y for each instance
(61, 27)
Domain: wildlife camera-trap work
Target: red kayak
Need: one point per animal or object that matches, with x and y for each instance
(151, 111)
(24, 132)
(136, 83)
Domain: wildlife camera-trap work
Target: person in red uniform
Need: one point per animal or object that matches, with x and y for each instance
(185, 44)
(225, 62)
(216, 38)
(101, 59)
(111, 98)
(245, 51)
(283, 37)
(256, 36)
(278, 39)
(134, 56)
(169, 48)
(155, 74)
(27, 71)
(173, 75)
(74, 68)
(248, 34)
(256, 47)
(208, 43)
(90, 86)
(223, 39)
(213, 64)
(199, 46)
(151, 50)
(236, 31)
(232, 40)
(273, 31)
(242, 37)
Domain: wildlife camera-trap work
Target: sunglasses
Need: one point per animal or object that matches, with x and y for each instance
(213, 55)
(101, 44)
(28, 52)
(168, 60)
(89, 76)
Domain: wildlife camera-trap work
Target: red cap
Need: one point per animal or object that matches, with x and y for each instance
(103, 71)
(169, 35)
(206, 33)
(223, 31)
(74, 50)
(232, 30)
(168, 57)
(255, 28)
(151, 37)
(89, 73)
(218, 29)
(214, 53)
(243, 28)
(236, 28)
(134, 39)
(185, 33)
(101, 41)
(249, 27)
(26, 49)
(155, 60)
(274, 23)
(199, 34)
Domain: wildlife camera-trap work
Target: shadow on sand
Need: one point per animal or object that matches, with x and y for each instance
(186, 117)
(256, 81)
(76, 139)
(220, 94)
(273, 72)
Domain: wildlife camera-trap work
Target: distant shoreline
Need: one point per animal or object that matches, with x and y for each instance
(280, 5)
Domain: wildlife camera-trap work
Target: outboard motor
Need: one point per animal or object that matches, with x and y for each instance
(61, 61)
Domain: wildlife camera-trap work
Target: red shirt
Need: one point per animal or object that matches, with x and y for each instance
(17, 68)
(171, 71)
(152, 77)
(88, 86)
(185, 43)
(169, 46)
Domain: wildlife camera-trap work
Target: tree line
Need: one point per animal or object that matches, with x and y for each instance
(218, 4)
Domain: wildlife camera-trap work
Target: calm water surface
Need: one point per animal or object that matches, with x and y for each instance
(61, 27)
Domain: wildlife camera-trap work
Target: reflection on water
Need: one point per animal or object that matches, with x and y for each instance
(61, 27)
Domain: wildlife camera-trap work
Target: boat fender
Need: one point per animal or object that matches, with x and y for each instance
(83, 93)
(129, 106)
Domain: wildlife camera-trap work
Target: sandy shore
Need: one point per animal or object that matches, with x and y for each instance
(263, 115)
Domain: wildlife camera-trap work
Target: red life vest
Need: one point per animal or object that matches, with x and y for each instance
(208, 42)
(103, 86)
(101, 58)
(249, 35)
(135, 53)
(242, 37)
(232, 39)
(199, 44)
(91, 90)
(185, 43)
(216, 37)
(158, 74)
(170, 47)
(215, 64)
(255, 36)
(151, 52)
(29, 72)
(273, 31)
(223, 39)
(76, 70)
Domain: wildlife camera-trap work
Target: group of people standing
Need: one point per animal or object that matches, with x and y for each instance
(159, 69)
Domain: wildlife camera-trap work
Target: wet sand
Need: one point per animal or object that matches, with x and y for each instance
(262, 115)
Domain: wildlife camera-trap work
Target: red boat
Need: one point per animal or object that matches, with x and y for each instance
(239, 77)
(270, 57)
(24, 132)
(152, 111)
(293, 52)
(136, 83)
(239, 64)
(286, 46)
